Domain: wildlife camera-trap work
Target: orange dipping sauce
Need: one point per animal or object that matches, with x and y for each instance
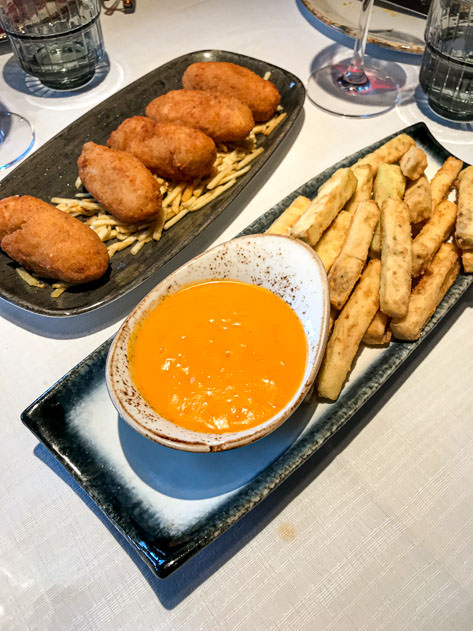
(219, 356)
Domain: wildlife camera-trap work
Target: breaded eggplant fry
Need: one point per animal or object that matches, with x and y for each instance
(444, 179)
(389, 183)
(430, 238)
(391, 151)
(364, 186)
(467, 261)
(348, 331)
(285, 221)
(331, 243)
(413, 163)
(418, 198)
(342, 278)
(396, 258)
(330, 199)
(464, 227)
(378, 333)
(428, 293)
(349, 264)
(332, 317)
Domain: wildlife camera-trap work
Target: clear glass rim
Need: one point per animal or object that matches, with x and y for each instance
(340, 112)
(29, 146)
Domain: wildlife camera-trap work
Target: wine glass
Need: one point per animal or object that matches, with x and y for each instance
(16, 138)
(358, 87)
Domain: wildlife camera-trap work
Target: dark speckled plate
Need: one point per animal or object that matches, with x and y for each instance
(170, 504)
(51, 172)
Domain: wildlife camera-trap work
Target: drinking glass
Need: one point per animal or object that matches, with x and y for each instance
(446, 74)
(58, 41)
(16, 138)
(358, 87)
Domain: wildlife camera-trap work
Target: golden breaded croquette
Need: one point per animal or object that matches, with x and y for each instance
(49, 242)
(171, 151)
(223, 118)
(121, 183)
(261, 96)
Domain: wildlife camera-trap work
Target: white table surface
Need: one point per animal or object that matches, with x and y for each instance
(374, 532)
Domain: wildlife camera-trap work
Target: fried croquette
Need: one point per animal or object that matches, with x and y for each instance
(121, 183)
(49, 242)
(223, 118)
(261, 96)
(171, 151)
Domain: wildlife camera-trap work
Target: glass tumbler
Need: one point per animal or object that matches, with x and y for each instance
(59, 42)
(446, 74)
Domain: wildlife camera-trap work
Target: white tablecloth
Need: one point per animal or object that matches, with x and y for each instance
(374, 532)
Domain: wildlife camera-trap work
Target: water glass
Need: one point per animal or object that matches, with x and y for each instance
(60, 42)
(446, 74)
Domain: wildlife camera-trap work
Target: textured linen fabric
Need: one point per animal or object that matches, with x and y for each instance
(375, 532)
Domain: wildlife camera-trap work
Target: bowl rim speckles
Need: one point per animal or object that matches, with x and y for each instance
(262, 260)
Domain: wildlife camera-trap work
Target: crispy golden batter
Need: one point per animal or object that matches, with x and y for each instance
(261, 96)
(396, 258)
(364, 186)
(223, 118)
(429, 291)
(330, 199)
(433, 234)
(413, 163)
(467, 260)
(444, 179)
(348, 331)
(171, 151)
(332, 240)
(120, 182)
(418, 198)
(47, 241)
(283, 224)
(389, 183)
(377, 334)
(464, 227)
(390, 152)
(349, 264)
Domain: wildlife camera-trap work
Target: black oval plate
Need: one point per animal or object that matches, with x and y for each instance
(51, 172)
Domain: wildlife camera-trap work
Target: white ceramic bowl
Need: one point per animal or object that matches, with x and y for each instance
(287, 267)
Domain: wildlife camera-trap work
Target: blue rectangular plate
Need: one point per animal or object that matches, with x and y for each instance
(170, 504)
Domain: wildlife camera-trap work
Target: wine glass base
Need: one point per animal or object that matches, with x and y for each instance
(16, 138)
(327, 90)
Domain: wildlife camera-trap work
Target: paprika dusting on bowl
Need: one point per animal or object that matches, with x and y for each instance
(219, 356)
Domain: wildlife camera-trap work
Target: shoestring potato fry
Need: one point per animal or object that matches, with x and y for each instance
(424, 239)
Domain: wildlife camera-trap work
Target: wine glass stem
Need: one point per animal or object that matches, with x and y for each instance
(355, 73)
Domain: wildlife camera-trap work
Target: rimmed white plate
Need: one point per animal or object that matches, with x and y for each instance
(389, 28)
